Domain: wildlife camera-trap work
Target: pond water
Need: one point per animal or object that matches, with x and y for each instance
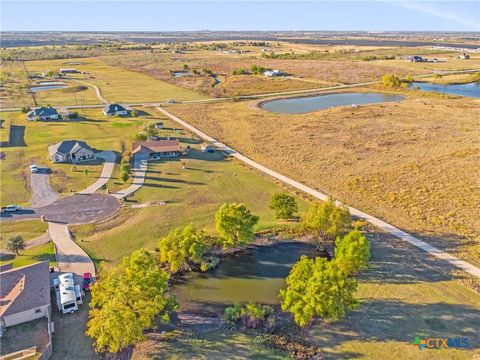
(306, 104)
(47, 87)
(468, 90)
(178, 74)
(51, 83)
(255, 274)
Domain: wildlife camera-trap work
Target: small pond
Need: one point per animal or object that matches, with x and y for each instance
(48, 87)
(255, 274)
(306, 104)
(468, 90)
(51, 83)
(177, 74)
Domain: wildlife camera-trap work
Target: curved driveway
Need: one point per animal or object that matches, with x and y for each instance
(140, 166)
(460, 264)
(109, 157)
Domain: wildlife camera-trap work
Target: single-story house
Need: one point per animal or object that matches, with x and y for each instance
(208, 148)
(271, 73)
(160, 148)
(25, 294)
(114, 110)
(68, 71)
(159, 125)
(463, 56)
(43, 113)
(70, 151)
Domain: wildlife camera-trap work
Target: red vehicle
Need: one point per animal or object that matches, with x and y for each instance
(87, 280)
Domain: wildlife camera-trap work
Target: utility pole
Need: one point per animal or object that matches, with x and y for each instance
(29, 83)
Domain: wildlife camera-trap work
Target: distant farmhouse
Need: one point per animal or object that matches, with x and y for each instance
(70, 151)
(161, 148)
(25, 294)
(114, 110)
(68, 71)
(43, 113)
(207, 148)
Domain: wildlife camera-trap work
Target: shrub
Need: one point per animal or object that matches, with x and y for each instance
(352, 252)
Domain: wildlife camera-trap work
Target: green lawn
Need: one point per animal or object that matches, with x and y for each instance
(117, 84)
(192, 195)
(32, 255)
(29, 229)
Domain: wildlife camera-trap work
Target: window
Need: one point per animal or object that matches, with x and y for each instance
(38, 311)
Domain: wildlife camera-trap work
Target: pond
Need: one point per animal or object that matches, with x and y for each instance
(255, 274)
(48, 87)
(177, 74)
(306, 104)
(468, 90)
(51, 83)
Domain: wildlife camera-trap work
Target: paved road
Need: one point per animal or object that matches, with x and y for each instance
(76, 209)
(463, 265)
(109, 157)
(70, 256)
(42, 192)
(257, 96)
(140, 166)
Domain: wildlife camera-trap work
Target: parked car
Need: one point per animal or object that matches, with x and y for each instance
(171, 101)
(12, 208)
(34, 168)
(87, 280)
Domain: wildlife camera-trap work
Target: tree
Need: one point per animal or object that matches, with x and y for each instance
(16, 243)
(235, 224)
(150, 129)
(326, 220)
(317, 288)
(251, 315)
(183, 247)
(391, 80)
(284, 205)
(124, 176)
(126, 167)
(140, 136)
(26, 109)
(352, 252)
(127, 300)
(409, 78)
(134, 112)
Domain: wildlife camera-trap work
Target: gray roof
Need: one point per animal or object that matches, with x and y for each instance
(67, 147)
(43, 111)
(113, 108)
(34, 293)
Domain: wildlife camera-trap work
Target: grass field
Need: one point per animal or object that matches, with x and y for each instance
(14, 90)
(31, 255)
(29, 230)
(117, 84)
(74, 94)
(32, 147)
(412, 163)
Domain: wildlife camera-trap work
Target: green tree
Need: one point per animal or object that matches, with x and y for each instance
(126, 167)
(127, 300)
(16, 243)
(284, 205)
(326, 220)
(183, 247)
(124, 176)
(409, 78)
(235, 224)
(352, 252)
(140, 136)
(26, 109)
(317, 288)
(134, 112)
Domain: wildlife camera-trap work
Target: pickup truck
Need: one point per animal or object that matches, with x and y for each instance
(11, 208)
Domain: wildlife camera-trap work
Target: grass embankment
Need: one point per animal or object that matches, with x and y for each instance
(29, 229)
(117, 84)
(31, 255)
(453, 79)
(33, 139)
(387, 159)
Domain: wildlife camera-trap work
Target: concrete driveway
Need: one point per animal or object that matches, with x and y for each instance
(140, 166)
(70, 256)
(42, 192)
(109, 157)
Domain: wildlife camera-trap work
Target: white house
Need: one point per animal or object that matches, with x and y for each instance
(70, 151)
(114, 110)
(271, 73)
(43, 113)
(25, 294)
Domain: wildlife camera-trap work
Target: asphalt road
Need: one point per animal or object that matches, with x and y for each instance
(42, 192)
(76, 209)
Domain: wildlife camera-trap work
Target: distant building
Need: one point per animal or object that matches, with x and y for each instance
(25, 294)
(271, 73)
(159, 125)
(160, 148)
(70, 151)
(463, 56)
(207, 148)
(43, 113)
(68, 71)
(416, 58)
(115, 110)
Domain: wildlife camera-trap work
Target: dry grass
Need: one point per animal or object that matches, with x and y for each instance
(414, 163)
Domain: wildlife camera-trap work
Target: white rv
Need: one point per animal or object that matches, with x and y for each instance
(69, 295)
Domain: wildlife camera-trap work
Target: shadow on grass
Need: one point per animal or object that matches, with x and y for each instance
(17, 136)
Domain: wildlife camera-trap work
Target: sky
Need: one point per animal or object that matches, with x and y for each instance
(381, 15)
